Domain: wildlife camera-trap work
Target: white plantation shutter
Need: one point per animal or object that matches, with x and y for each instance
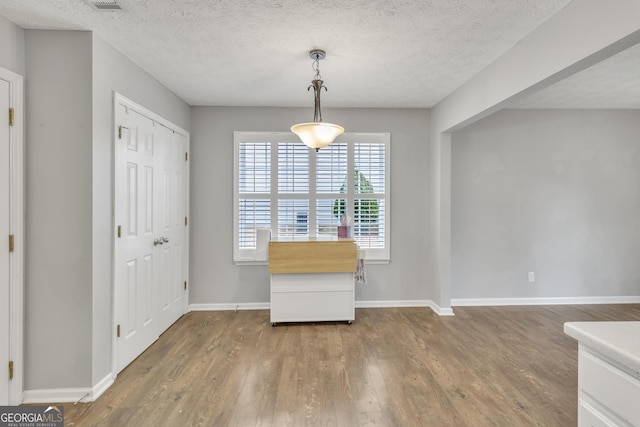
(369, 210)
(255, 167)
(253, 195)
(327, 218)
(293, 218)
(281, 184)
(331, 168)
(331, 175)
(253, 214)
(370, 233)
(293, 168)
(293, 179)
(370, 161)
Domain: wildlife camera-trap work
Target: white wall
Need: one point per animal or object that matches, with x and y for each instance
(113, 72)
(58, 210)
(11, 46)
(214, 277)
(549, 191)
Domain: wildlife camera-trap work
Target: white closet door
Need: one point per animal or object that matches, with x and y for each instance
(172, 225)
(5, 193)
(151, 254)
(136, 256)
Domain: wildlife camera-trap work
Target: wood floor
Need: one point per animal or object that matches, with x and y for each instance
(488, 366)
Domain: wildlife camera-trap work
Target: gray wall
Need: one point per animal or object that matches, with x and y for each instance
(11, 46)
(214, 277)
(70, 80)
(549, 191)
(113, 72)
(58, 210)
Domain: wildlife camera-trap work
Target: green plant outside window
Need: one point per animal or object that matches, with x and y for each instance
(365, 210)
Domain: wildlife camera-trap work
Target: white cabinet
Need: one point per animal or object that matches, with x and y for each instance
(608, 372)
(312, 297)
(312, 280)
(606, 391)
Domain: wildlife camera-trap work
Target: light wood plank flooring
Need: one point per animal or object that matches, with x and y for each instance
(487, 366)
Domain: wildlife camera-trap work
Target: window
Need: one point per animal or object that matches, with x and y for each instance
(281, 184)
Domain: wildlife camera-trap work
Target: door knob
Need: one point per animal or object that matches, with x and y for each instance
(165, 239)
(158, 241)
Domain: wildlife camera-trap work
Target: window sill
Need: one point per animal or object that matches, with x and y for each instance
(266, 263)
(250, 262)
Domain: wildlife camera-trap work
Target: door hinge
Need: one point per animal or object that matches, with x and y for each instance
(185, 285)
(186, 221)
(118, 331)
(12, 242)
(120, 131)
(12, 116)
(119, 231)
(186, 157)
(11, 369)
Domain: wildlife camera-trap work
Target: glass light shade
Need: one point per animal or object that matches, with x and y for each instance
(317, 134)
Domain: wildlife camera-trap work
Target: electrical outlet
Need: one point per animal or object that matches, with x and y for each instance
(532, 277)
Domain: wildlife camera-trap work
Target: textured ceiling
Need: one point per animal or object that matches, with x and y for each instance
(380, 53)
(612, 83)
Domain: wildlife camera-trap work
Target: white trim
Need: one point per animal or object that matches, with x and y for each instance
(393, 303)
(57, 395)
(479, 302)
(101, 387)
(126, 102)
(441, 311)
(230, 306)
(65, 395)
(249, 262)
(16, 226)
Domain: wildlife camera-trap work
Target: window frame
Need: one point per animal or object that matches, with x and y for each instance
(244, 256)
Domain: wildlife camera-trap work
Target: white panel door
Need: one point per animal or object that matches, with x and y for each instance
(172, 224)
(5, 194)
(136, 255)
(11, 224)
(151, 254)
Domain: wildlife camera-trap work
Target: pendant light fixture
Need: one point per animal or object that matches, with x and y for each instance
(317, 134)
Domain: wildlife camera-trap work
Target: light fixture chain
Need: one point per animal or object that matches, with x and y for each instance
(316, 68)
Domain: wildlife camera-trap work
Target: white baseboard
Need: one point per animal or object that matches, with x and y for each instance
(441, 311)
(230, 306)
(393, 303)
(478, 302)
(57, 395)
(101, 387)
(67, 395)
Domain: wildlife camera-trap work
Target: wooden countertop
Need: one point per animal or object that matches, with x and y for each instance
(312, 255)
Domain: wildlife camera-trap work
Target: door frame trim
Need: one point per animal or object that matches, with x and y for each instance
(16, 226)
(119, 99)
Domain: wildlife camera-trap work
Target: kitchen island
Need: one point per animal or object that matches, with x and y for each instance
(312, 279)
(608, 372)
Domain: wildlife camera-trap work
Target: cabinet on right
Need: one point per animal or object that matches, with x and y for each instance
(608, 372)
